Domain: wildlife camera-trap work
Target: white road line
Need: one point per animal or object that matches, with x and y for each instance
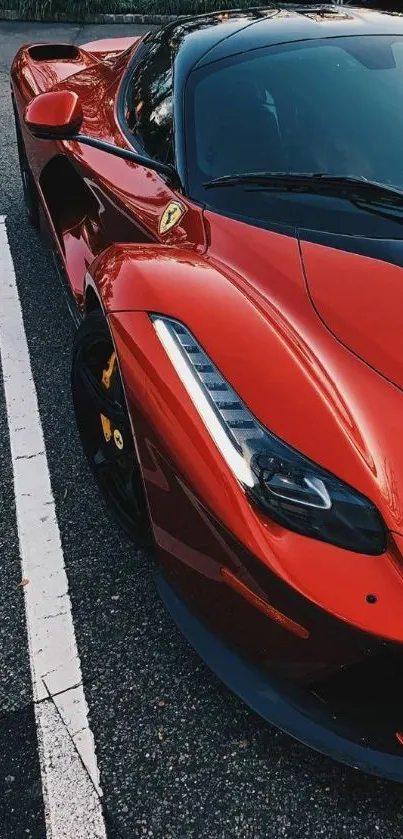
(66, 747)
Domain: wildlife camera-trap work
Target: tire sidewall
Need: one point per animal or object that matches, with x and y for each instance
(93, 325)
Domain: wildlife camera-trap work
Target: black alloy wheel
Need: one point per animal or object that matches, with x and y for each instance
(104, 426)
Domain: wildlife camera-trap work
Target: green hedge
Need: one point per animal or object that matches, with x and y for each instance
(78, 9)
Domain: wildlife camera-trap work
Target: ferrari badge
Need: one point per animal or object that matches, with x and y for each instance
(171, 215)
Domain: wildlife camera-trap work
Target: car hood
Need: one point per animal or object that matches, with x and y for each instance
(302, 380)
(356, 286)
(245, 299)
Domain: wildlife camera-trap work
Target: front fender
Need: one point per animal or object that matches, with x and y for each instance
(146, 277)
(277, 382)
(302, 385)
(186, 479)
(279, 375)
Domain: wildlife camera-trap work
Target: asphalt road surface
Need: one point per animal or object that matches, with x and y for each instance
(179, 756)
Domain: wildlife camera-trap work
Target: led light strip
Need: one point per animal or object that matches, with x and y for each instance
(233, 458)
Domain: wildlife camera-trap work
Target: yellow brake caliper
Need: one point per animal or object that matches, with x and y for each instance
(106, 381)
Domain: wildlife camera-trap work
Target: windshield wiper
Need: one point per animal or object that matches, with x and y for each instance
(317, 182)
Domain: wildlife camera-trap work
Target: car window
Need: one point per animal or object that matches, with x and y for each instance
(149, 111)
(331, 106)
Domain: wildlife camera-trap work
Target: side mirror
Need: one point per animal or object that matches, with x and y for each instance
(57, 115)
(54, 114)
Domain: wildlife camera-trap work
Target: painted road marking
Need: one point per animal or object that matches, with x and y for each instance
(66, 746)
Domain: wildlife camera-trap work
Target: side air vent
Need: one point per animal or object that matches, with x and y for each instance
(54, 52)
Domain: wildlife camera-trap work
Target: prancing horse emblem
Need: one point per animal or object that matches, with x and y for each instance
(171, 215)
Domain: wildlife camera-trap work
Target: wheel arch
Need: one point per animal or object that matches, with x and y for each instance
(288, 370)
(136, 277)
(92, 303)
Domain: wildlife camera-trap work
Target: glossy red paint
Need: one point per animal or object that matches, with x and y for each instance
(122, 201)
(246, 294)
(335, 579)
(110, 48)
(39, 68)
(193, 545)
(56, 112)
(308, 369)
(361, 304)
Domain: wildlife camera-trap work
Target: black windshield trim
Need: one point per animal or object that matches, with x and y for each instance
(315, 182)
(385, 250)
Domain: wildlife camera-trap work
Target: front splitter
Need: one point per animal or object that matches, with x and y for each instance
(277, 702)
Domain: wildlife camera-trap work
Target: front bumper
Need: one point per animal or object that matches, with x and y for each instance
(352, 715)
(337, 686)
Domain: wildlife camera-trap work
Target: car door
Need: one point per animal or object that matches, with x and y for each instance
(113, 199)
(143, 118)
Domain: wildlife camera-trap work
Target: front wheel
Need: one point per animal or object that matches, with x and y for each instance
(104, 426)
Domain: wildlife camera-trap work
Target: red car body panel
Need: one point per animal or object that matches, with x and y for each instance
(159, 395)
(110, 48)
(124, 201)
(328, 321)
(253, 281)
(360, 299)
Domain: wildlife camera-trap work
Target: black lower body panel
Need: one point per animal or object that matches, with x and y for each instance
(351, 715)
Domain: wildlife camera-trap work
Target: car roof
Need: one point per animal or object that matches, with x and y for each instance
(202, 39)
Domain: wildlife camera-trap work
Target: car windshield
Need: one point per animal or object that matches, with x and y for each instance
(332, 106)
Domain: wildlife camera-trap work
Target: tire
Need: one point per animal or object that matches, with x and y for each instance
(31, 198)
(108, 443)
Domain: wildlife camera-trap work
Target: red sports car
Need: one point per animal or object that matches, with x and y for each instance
(225, 198)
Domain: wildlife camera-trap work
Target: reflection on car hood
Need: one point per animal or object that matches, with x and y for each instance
(356, 286)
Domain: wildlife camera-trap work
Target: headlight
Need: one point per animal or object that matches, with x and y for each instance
(291, 489)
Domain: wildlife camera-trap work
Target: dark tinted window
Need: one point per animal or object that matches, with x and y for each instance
(149, 102)
(333, 105)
